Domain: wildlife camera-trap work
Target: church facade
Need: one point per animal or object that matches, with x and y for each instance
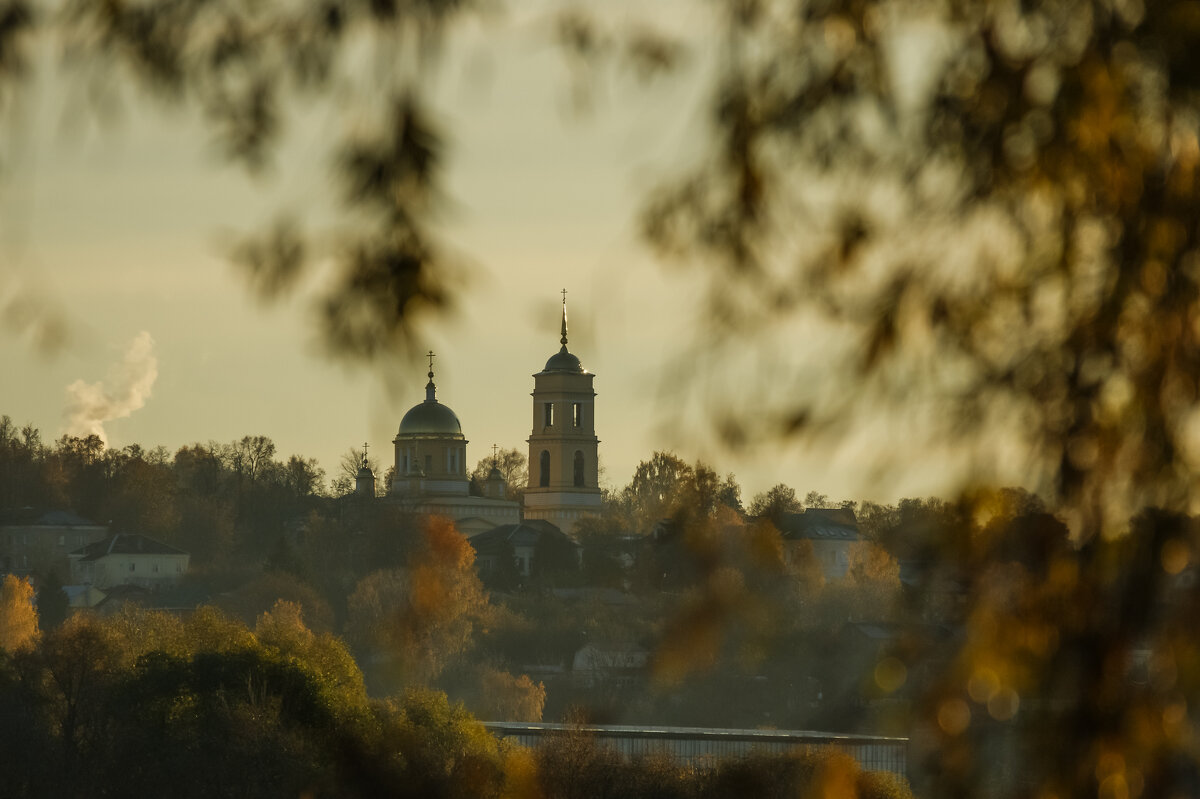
(563, 448)
(430, 451)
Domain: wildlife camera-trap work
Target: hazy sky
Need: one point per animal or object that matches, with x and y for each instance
(123, 229)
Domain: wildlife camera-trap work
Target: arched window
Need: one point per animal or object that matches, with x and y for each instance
(578, 469)
(545, 469)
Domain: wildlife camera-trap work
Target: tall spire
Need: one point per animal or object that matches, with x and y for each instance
(564, 319)
(430, 388)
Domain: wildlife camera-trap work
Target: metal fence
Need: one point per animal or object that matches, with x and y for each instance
(696, 745)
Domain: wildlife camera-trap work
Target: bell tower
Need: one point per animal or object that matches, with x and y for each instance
(563, 448)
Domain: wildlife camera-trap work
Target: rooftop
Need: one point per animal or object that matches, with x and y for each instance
(43, 517)
(124, 544)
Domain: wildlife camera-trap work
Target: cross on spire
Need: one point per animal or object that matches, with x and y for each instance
(564, 320)
(364, 461)
(430, 389)
(495, 457)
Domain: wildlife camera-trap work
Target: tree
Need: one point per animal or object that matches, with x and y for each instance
(390, 270)
(774, 502)
(997, 293)
(21, 455)
(304, 477)
(656, 490)
(18, 619)
(138, 632)
(348, 467)
(729, 493)
(446, 751)
(709, 490)
(875, 578)
(815, 499)
(199, 469)
(53, 603)
(985, 132)
(81, 660)
(875, 519)
(513, 466)
(76, 474)
(249, 459)
(495, 695)
(140, 495)
(324, 656)
(1000, 232)
(258, 596)
(424, 615)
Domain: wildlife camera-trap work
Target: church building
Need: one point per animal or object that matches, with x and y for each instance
(431, 471)
(563, 448)
(431, 468)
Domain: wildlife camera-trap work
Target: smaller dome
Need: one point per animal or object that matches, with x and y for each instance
(494, 474)
(563, 361)
(430, 418)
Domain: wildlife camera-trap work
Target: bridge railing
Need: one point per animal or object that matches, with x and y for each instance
(699, 744)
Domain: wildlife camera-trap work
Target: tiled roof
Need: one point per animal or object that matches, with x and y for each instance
(42, 517)
(820, 524)
(125, 544)
(526, 533)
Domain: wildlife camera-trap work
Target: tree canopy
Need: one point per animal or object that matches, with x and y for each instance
(989, 207)
(18, 619)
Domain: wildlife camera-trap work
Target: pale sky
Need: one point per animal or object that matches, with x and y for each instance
(123, 228)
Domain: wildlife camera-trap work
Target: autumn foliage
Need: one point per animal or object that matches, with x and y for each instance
(18, 619)
(422, 616)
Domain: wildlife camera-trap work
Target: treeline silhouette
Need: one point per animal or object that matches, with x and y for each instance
(1005, 647)
(145, 703)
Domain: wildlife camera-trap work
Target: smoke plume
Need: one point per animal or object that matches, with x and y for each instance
(127, 387)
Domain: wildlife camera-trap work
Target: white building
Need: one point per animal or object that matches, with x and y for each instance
(125, 559)
(39, 541)
(831, 533)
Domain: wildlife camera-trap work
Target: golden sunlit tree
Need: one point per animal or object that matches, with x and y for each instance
(421, 616)
(18, 619)
(325, 657)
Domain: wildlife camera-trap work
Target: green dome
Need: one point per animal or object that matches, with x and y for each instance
(563, 361)
(430, 418)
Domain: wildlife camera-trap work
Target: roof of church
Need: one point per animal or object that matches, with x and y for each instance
(430, 417)
(563, 360)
